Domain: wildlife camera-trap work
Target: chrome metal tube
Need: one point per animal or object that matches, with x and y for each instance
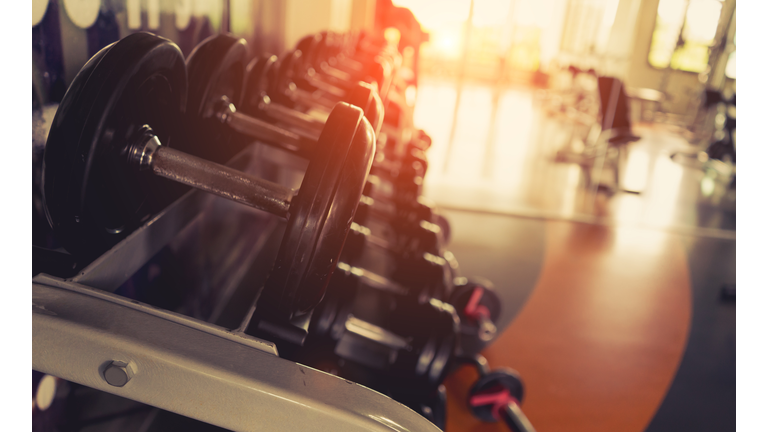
(310, 99)
(261, 130)
(515, 419)
(373, 280)
(294, 118)
(221, 180)
(336, 73)
(376, 334)
(318, 81)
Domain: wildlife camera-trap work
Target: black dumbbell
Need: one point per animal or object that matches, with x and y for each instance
(314, 63)
(216, 70)
(227, 53)
(405, 174)
(264, 84)
(347, 282)
(402, 246)
(497, 395)
(337, 49)
(411, 223)
(412, 345)
(419, 277)
(479, 308)
(103, 165)
(261, 79)
(303, 86)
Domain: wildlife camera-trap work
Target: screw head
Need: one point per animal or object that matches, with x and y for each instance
(118, 373)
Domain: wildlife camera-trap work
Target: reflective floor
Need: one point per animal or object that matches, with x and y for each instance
(611, 328)
(611, 301)
(495, 152)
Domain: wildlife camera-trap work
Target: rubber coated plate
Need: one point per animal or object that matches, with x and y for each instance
(321, 214)
(366, 97)
(433, 327)
(93, 199)
(288, 71)
(462, 293)
(330, 316)
(496, 381)
(440, 220)
(260, 74)
(216, 68)
(308, 47)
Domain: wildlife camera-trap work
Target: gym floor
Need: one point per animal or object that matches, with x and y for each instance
(613, 311)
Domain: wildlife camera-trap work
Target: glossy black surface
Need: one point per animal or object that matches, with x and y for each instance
(92, 198)
(320, 215)
(216, 68)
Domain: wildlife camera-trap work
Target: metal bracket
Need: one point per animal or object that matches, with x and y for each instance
(196, 369)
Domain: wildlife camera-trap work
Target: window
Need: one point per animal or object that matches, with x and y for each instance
(684, 32)
(730, 67)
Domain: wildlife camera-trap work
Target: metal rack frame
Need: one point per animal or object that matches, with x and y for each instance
(185, 365)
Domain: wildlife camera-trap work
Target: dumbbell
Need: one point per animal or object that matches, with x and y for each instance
(479, 308)
(303, 86)
(261, 79)
(263, 84)
(381, 68)
(280, 83)
(337, 52)
(497, 395)
(216, 70)
(314, 59)
(412, 223)
(227, 53)
(413, 345)
(104, 163)
(419, 277)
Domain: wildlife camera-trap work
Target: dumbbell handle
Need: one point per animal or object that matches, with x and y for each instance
(291, 116)
(485, 327)
(316, 80)
(370, 239)
(315, 100)
(208, 176)
(376, 334)
(510, 413)
(515, 419)
(261, 130)
(384, 210)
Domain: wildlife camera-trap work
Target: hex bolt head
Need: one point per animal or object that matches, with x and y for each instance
(118, 373)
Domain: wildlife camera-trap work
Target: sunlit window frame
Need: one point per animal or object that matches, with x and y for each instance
(677, 48)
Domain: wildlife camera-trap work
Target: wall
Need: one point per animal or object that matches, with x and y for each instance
(66, 33)
(311, 16)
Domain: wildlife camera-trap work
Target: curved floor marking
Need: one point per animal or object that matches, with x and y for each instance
(601, 337)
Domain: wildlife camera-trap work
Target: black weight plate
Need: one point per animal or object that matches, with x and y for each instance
(330, 316)
(309, 46)
(321, 214)
(433, 326)
(440, 220)
(366, 97)
(462, 293)
(498, 380)
(289, 71)
(93, 199)
(216, 68)
(259, 78)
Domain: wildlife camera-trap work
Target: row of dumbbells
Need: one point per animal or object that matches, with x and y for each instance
(133, 119)
(402, 334)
